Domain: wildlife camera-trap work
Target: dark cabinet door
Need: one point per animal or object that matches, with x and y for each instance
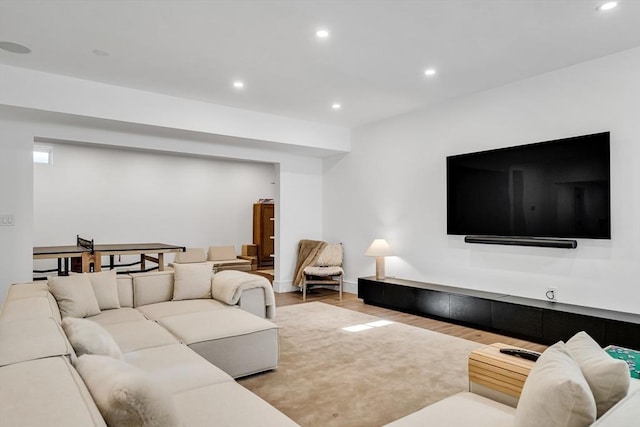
(560, 326)
(399, 297)
(264, 232)
(471, 310)
(372, 292)
(518, 319)
(432, 303)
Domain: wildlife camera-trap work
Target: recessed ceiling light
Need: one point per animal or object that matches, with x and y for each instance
(238, 84)
(322, 34)
(98, 52)
(430, 72)
(607, 6)
(14, 47)
(336, 106)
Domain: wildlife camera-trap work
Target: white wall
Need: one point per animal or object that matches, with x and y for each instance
(16, 183)
(24, 88)
(392, 185)
(125, 196)
(298, 179)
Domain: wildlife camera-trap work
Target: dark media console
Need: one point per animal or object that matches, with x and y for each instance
(535, 320)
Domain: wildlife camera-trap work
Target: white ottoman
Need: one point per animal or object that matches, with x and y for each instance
(235, 341)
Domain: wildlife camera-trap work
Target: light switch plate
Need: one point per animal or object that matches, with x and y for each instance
(6, 220)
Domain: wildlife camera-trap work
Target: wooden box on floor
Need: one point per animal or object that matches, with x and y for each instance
(496, 375)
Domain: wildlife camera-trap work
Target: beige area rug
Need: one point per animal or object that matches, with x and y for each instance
(330, 377)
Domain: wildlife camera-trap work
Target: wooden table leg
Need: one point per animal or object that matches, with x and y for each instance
(97, 261)
(86, 262)
(160, 262)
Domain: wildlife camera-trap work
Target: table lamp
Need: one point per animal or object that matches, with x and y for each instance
(379, 249)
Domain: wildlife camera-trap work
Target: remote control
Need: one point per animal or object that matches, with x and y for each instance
(525, 354)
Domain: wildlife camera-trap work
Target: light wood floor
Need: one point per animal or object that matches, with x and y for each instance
(352, 302)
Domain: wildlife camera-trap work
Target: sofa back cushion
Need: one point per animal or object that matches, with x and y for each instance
(607, 377)
(125, 290)
(221, 253)
(74, 295)
(153, 287)
(190, 255)
(31, 339)
(555, 394)
(125, 395)
(30, 307)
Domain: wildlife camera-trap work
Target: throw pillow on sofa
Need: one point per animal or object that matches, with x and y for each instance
(555, 394)
(74, 295)
(105, 288)
(125, 395)
(608, 378)
(88, 337)
(192, 281)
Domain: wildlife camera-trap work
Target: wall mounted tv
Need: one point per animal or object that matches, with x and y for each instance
(552, 189)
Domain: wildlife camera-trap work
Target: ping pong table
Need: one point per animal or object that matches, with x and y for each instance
(91, 254)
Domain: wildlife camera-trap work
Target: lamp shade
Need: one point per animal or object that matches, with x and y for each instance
(379, 247)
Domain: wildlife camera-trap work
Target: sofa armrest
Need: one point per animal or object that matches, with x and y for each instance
(253, 301)
(624, 413)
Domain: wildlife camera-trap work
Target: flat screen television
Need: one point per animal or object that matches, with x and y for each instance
(557, 189)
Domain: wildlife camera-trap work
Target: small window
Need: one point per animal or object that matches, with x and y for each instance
(43, 155)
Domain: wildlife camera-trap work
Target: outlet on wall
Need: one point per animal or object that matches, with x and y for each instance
(552, 294)
(6, 220)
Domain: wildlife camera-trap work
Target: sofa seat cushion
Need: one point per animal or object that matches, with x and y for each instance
(323, 271)
(117, 315)
(234, 266)
(176, 367)
(237, 342)
(32, 339)
(45, 392)
(231, 262)
(172, 308)
(462, 409)
(227, 404)
(139, 334)
(210, 325)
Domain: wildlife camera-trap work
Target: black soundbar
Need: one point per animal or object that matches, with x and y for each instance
(523, 241)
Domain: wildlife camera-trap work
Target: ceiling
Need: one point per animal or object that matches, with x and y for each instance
(372, 63)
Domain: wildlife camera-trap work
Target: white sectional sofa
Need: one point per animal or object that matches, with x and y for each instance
(159, 348)
(572, 385)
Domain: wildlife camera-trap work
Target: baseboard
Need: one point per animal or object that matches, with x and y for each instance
(350, 287)
(287, 286)
(282, 286)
